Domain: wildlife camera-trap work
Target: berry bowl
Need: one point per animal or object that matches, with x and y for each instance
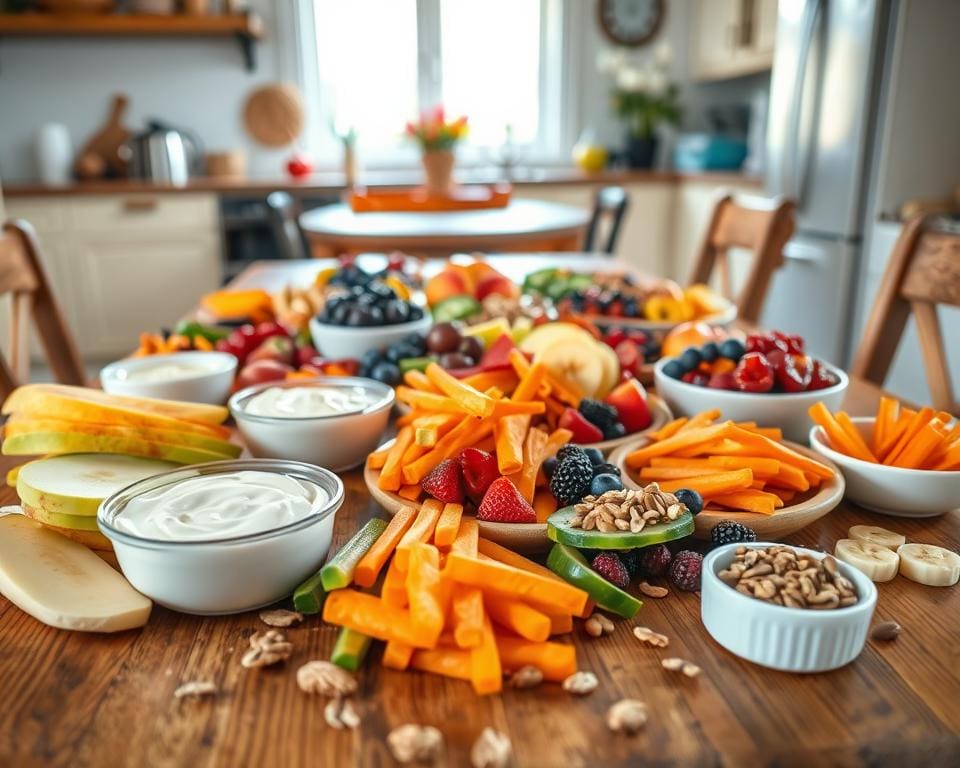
(768, 409)
(779, 637)
(342, 341)
(891, 490)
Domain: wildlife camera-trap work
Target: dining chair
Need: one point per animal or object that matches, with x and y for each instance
(284, 214)
(609, 207)
(924, 271)
(24, 278)
(760, 225)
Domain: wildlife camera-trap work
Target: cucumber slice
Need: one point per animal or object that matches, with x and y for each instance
(579, 282)
(350, 649)
(559, 530)
(414, 364)
(572, 566)
(338, 573)
(308, 597)
(456, 308)
(539, 280)
(559, 288)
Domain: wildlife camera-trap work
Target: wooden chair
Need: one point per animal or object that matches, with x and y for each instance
(610, 204)
(760, 225)
(924, 271)
(23, 277)
(284, 214)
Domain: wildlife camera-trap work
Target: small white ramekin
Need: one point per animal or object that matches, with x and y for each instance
(788, 639)
(338, 442)
(226, 575)
(339, 341)
(210, 385)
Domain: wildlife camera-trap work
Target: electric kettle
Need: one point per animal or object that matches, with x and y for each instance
(163, 154)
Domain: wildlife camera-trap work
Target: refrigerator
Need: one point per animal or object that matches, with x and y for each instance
(822, 126)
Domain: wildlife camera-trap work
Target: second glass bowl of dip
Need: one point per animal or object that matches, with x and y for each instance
(337, 441)
(231, 572)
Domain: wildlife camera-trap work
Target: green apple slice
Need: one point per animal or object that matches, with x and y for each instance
(36, 443)
(559, 530)
(57, 520)
(572, 566)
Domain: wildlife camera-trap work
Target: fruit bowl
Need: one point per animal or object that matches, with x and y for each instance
(803, 510)
(339, 341)
(785, 410)
(723, 318)
(891, 490)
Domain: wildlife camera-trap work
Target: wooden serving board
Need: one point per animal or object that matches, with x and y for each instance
(791, 518)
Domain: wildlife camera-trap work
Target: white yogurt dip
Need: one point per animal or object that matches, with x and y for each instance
(220, 506)
(163, 372)
(309, 402)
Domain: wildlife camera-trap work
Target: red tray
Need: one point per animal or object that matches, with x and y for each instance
(462, 198)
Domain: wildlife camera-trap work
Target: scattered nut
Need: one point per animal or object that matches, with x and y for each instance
(648, 636)
(607, 625)
(886, 630)
(527, 676)
(675, 664)
(196, 688)
(492, 749)
(339, 713)
(266, 648)
(626, 510)
(651, 590)
(326, 679)
(627, 715)
(281, 617)
(581, 683)
(411, 742)
(597, 624)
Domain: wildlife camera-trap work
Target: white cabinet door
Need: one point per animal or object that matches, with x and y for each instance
(731, 38)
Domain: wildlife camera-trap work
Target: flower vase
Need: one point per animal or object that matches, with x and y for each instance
(438, 171)
(641, 152)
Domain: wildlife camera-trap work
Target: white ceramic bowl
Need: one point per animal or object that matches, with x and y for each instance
(339, 442)
(193, 377)
(226, 575)
(891, 490)
(787, 411)
(339, 341)
(788, 639)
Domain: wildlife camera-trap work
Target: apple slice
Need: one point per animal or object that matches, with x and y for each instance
(36, 443)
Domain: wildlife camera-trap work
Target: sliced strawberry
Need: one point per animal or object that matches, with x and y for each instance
(630, 356)
(630, 400)
(497, 354)
(502, 503)
(583, 430)
(445, 481)
(479, 470)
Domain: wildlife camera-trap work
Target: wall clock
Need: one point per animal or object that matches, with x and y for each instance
(630, 22)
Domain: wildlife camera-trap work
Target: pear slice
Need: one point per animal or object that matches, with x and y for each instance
(35, 443)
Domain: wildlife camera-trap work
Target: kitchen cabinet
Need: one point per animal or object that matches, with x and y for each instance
(731, 38)
(121, 264)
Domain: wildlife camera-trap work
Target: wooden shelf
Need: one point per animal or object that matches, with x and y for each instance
(247, 28)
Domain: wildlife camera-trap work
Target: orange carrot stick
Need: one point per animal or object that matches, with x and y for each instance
(367, 570)
(448, 525)
(508, 557)
(544, 504)
(712, 485)
(410, 492)
(424, 593)
(887, 414)
(449, 662)
(397, 655)
(519, 618)
(470, 400)
(764, 446)
(485, 671)
(466, 609)
(391, 476)
(394, 589)
(679, 441)
(533, 456)
(369, 616)
(915, 454)
(748, 501)
(669, 429)
(556, 661)
(510, 432)
(377, 459)
(910, 432)
(836, 435)
(418, 380)
(846, 423)
(468, 432)
(466, 541)
(420, 531)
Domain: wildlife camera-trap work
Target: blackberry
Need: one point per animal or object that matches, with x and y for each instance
(632, 558)
(572, 475)
(655, 560)
(729, 532)
(606, 469)
(602, 415)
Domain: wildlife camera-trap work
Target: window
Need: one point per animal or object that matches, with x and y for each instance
(379, 63)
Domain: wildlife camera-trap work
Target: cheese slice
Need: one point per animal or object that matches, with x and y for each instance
(62, 583)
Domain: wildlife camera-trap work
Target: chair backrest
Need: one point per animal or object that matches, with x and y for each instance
(23, 277)
(924, 271)
(609, 206)
(284, 213)
(760, 225)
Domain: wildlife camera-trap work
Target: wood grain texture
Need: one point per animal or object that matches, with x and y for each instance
(74, 699)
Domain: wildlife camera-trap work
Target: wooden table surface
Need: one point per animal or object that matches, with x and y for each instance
(75, 699)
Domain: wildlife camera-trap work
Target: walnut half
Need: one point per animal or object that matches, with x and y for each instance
(492, 749)
(325, 678)
(415, 743)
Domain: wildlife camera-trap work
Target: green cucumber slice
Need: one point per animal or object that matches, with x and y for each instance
(539, 280)
(456, 308)
(559, 288)
(350, 649)
(414, 364)
(338, 573)
(559, 530)
(579, 282)
(572, 566)
(308, 597)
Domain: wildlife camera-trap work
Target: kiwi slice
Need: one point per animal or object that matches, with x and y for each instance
(559, 530)
(572, 566)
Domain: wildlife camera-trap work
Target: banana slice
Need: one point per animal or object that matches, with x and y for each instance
(874, 534)
(611, 368)
(876, 562)
(579, 363)
(929, 564)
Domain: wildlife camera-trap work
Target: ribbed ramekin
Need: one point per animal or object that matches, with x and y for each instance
(788, 639)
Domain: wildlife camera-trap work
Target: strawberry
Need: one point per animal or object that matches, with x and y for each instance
(479, 470)
(630, 400)
(583, 430)
(502, 503)
(445, 481)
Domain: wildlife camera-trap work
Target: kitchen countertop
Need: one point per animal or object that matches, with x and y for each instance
(332, 182)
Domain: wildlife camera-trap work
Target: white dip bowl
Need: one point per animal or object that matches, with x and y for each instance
(192, 377)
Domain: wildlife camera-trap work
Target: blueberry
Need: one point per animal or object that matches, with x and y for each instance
(690, 499)
(673, 369)
(388, 373)
(595, 456)
(613, 431)
(630, 308)
(690, 358)
(370, 358)
(396, 311)
(416, 313)
(710, 351)
(603, 483)
(381, 290)
(549, 465)
(416, 341)
(340, 314)
(606, 469)
(732, 349)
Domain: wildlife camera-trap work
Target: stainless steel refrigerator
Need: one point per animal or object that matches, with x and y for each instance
(822, 125)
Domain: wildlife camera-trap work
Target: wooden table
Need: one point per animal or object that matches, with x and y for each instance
(523, 225)
(73, 699)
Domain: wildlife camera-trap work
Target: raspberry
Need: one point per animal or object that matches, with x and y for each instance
(655, 560)
(729, 532)
(612, 569)
(685, 570)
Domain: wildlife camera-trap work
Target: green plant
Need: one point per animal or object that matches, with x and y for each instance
(643, 96)
(643, 111)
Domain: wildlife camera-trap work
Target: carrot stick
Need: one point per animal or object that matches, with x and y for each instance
(560, 623)
(555, 660)
(449, 662)
(519, 618)
(712, 485)
(420, 531)
(448, 525)
(429, 401)
(910, 432)
(505, 380)
(469, 399)
(466, 609)
(504, 408)
(466, 541)
(530, 383)
(749, 501)
(485, 671)
(914, 455)
(391, 475)
(397, 655)
(424, 594)
(508, 557)
(418, 380)
(466, 433)
(544, 504)
(886, 418)
(533, 457)
(377, 459)
(367, 570)
(510, 432)
(555, 441)
(369, 616)
(791, 478)
(847, 425)
(394, 589)
(764, 446)
(702, 419)
(669, 429)
(761, 466)
(410, 492)
(678, 473)
(836, 434)
(904, 418)
(773, 433)
(679, 441)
